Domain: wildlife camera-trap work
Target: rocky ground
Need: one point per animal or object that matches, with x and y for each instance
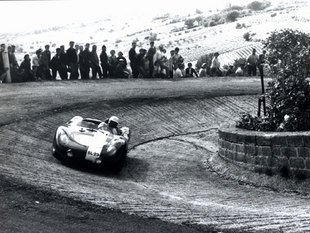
(167, 175)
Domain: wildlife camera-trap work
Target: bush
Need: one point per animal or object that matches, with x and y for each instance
(189, 23)
(258, 6)
(241, 62)
(205, 59)
(212, 24)
(232, 16)
(235, 8)
(289, 51)
(289, 92)
(247, 36)
(239, 25)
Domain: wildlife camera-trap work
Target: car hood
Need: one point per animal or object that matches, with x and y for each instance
(89, 137)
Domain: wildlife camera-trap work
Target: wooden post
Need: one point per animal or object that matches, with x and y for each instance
(6, 64)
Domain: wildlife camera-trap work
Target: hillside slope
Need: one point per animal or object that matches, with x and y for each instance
(171, 31)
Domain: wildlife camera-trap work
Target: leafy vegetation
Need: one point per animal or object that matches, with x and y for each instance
(258, 6)
(289, 92)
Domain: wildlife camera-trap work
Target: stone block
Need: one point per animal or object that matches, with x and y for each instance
(240, 148)
(303, 152)
(307, 140)
(240, 138)
(249, 159)
(231, 136)
(276, 151)
(250, 139)
(308, 163)
(250, 149)
(283, 161)
(222, 151)
(295, 140)
(297, 163)
(263, 140)
(289, 152)
(272, 162)
(278, 140)
(240, 157)
(264, 151)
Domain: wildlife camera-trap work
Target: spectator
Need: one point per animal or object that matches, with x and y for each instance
(63, 62)
(36, 65)
(121, 66)
(72, 59)
(57, 65)
(141, 63)
(112, 63)
(77, 49)
(85, 62)
(177, 59)
(94, 61)
(133, 60)
(159, 59)
(252, 63)
(215, 66)
(203, 71)
(12, 58)
(3, 70)
(25, 70)
(44, 62)
(170, 64)
(104, 62)
(150, 55)
(261, 62)
(178, 72)
(239, 71)
(230, 71)
(190, 72)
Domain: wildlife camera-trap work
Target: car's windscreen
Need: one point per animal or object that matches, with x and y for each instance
(88, 124)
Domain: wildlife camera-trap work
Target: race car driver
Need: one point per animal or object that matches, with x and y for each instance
(111, 125)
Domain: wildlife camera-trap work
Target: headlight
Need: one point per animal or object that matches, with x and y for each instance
(63, 138)
(111, 149)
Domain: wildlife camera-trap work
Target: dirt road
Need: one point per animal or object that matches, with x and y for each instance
(165, 176)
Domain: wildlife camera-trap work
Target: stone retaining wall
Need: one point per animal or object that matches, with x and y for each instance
(284, 153)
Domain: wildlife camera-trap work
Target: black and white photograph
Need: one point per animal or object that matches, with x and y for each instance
(135, 116)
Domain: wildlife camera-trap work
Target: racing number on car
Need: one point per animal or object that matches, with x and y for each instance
(94, 154)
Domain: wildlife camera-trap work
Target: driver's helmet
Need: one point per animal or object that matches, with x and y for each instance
(113, 121)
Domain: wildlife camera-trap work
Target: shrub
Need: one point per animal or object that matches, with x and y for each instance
(239, 25)
(189, 23)
(289, 91)
(289, 50)
(212, 24)
(241, 62)
(232, 16)
(205, 59)
(153, 36)
(247, 36)
(235, 8)
(258, 6)
(198, 11)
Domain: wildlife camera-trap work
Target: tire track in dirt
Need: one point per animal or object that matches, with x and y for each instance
(165, 178)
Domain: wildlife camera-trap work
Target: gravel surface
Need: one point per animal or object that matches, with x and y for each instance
(166, 175)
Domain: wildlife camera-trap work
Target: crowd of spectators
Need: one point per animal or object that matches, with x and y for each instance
(81, 62)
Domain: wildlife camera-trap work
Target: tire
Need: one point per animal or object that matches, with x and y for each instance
(119, 164)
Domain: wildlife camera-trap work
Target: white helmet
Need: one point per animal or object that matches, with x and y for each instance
(113, 121)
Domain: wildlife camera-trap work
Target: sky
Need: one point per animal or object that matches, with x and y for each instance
(21, 16)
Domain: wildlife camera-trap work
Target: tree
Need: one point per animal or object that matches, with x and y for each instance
(289, 50)
(289, 91)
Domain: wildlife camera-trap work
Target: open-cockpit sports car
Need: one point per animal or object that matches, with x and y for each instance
(83, 139)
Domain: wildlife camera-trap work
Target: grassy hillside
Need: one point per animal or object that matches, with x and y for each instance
(233, 32)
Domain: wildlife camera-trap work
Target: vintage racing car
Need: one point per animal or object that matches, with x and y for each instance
(81, 139)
